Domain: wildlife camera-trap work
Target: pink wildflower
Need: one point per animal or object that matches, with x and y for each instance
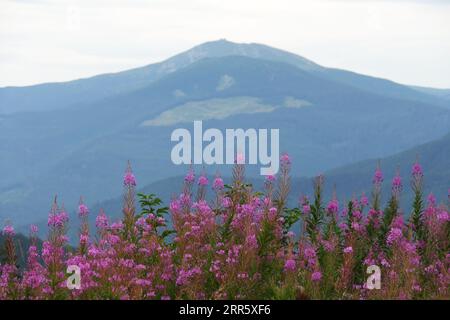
(394, 235)
(101, 222)
(348, 250)
(417, 170)
(378, 177)
(364, 201)
(202, 181)
(397, 184)
(218, 184)
(333, 207)
(316, 276)
(190, 176)
(83, 210)
(129, 180)
(306, 209)
(33, 229)
(8, 231)
(285, 159)
(289, 265)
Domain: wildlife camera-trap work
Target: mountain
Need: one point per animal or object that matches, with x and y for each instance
(51, 96)
(82, 148)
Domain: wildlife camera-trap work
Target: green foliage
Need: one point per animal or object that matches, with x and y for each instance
(315, 218)
(389, 214)
(150, 204)
(291, 216)
(416, 215)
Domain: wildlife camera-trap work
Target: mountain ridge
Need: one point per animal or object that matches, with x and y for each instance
(56, 95)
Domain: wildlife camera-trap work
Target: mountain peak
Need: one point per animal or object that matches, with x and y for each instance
(224, 47)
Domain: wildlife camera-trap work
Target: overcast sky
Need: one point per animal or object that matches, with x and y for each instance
(407, 41)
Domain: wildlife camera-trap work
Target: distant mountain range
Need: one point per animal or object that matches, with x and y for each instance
(74, 138)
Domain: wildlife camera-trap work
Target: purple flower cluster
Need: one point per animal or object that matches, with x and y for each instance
(238, 247)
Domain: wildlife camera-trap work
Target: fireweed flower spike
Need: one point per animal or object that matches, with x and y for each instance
(284, 182)
(83, 213)
(333, 207)
(33, 234)
(417, 172)
(378, 177)
(129, 179)
(53, 250)
(190, 176)
(189, 180)
(269, 185)
(128, 203)
(397, 184)
(364, 201)
(8, 231)
(202, 183)
(33, 230)
(8, 272)
(376, 190)
(218, 184)
(83, 210)
(101, 222)
(285, 160)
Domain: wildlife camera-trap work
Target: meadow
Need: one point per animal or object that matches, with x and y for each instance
(243, 244)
